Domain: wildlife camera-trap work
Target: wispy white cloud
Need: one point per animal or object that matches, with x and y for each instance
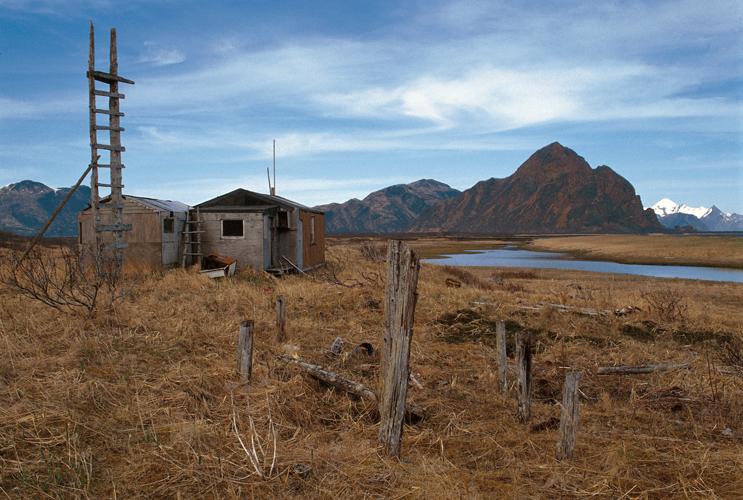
(159, 56)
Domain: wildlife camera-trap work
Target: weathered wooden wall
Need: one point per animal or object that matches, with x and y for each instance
(145, 239)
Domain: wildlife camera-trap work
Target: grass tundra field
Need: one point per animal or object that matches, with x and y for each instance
(142, 400)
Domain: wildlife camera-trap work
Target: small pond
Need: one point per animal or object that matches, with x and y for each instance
(513, 257)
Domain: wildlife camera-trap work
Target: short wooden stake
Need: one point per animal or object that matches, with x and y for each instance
(403, 267)
(245, 349)
(523, 357)
(500, 341)
(568, 417)
(280, 318)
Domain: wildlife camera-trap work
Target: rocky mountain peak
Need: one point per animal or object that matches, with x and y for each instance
(553, 191)
(26, 188)
(551, 161)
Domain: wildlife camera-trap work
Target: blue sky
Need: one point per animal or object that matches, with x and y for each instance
(363, 95)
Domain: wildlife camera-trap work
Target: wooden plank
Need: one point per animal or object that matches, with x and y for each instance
(106, 165)
(111, 185)
(52, 217)
(108, 147)
(403, 267)
(569, 415)
(113, 227)
(633, 370)
(107, 112)
(107, 77)
(110, 128)
(412, 411)
(115, 246)
(108, 94)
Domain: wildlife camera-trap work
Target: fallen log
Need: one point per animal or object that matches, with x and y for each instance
(633, 370)
(412, 411)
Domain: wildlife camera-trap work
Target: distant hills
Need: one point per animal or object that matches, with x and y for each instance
(26, 206)
(671, 214)
(388, 210)
(554, 191)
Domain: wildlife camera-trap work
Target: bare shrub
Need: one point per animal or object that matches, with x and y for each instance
(518, 274)
(334, 270)
(374, 252)
(68, 280)
(668, 305)
(732, 355)
(467, 277)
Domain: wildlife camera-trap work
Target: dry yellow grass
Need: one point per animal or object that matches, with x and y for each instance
(143, 401)
(659, 249)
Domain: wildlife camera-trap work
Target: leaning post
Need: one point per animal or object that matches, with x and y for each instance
(403, 267)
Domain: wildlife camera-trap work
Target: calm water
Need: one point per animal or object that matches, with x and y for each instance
(511, 257)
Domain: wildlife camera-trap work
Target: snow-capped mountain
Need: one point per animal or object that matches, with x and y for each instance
(671, 214)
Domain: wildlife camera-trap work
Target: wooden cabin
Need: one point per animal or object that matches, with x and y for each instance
(267, 232)
(156, 229)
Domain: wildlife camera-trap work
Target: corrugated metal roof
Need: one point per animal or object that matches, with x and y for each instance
(160, 205)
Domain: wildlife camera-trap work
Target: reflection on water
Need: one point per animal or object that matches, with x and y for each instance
(510, 257)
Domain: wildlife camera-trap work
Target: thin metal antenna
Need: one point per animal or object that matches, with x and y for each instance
(273, 189)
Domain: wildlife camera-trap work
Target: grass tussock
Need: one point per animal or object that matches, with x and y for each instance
(142, 400)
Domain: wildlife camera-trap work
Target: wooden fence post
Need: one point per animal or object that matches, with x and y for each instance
(569, 416)
(245, 349)
(523, 356)
(500, 341)
(280, 318)
(403, 266)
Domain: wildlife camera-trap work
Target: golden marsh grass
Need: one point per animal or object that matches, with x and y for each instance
(143, 401)
(657, 249)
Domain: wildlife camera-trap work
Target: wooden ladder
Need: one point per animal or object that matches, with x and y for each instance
(111, 251)
(192, 238)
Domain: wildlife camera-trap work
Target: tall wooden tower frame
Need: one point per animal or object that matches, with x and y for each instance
(111, 251)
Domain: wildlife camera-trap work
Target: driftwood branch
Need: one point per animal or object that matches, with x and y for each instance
(633, 370)
(412, 411)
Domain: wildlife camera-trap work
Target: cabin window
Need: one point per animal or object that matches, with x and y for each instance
(80, 233)
(232, 228)
(169, 225)
(312, 229)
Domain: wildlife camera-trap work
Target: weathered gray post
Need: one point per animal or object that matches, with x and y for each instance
(523, 356)
(280, 318)
(500, 342)
(245, 349)
(569, 416)
(403, 266)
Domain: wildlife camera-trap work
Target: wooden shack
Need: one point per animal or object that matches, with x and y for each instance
(155, 236)
(266, 232)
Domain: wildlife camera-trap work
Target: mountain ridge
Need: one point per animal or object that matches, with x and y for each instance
(25, 207)
(555, 191)
(387, 210)
(671, 214)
